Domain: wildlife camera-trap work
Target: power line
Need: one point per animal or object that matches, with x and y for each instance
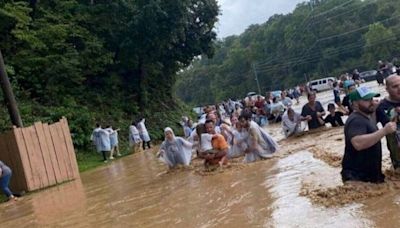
(358, 29)
(336, 36)
(348, 11)
(332, 9)
(304, 28)
(333, 53)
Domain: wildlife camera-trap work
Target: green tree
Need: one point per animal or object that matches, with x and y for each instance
(379, 43)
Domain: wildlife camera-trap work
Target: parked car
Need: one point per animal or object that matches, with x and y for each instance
(322, 84)
(369, 75)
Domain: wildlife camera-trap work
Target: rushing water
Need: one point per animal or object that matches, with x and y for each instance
(137, 191)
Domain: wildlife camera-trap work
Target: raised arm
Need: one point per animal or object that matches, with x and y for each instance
(361, 142)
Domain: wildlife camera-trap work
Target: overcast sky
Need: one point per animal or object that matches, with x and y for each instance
(237, 15)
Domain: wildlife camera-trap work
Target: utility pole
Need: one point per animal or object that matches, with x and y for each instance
(9, 98)
(256, 78)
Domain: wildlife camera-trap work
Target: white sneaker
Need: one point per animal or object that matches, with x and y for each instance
(111, 158)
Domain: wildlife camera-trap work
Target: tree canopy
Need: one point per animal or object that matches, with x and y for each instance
(319, 38)
(102, 61)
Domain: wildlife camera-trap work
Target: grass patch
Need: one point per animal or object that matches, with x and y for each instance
(3, 198)
(89, 159)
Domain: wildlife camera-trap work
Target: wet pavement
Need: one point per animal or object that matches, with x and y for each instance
(138, 191)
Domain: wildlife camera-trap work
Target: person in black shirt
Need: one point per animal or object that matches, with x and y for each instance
(346, 101)
(334, 118)
(387, 110)
(313, 112)
(356, 77)
(362, 160)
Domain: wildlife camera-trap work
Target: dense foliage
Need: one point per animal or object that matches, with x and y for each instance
(102, 61)
(319, 38)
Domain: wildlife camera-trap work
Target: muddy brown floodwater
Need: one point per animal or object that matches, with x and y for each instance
(299, 187)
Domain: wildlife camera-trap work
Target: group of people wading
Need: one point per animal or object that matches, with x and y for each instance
(217, 142)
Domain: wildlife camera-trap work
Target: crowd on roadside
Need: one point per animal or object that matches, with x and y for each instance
(235, 129)
(224, 133)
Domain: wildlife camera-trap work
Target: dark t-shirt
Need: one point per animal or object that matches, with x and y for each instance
(356, 76)
(364, 165)
(336, 95)
(384, 113)
(335, 120)
(383, 110)
(307, 110)
(346, 103)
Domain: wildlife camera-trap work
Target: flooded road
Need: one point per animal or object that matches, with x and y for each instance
(299, 187)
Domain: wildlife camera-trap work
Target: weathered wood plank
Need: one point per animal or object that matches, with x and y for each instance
(52, 153)
(70, 147)
(21, 145)
(18, 182)
(33, 159)
(59, 153)
(38, 157)
(63, 149)
(45, 153)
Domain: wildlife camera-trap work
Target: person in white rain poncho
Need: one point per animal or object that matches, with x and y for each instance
(260, 145)
(291, 123)
(144, 135)
(134, 138)
(175, 150)
(237, 140)
(101, 139)
(113, 141)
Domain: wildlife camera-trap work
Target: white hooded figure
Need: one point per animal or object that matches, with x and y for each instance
(238, 143)
(144, 135)
(175, 150)
(101, 139)
(260, 144)
(291, 123)
(113, 141)
(95, 137)
(134, 136)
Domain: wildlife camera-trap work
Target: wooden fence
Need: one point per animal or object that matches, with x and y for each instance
(41, 155)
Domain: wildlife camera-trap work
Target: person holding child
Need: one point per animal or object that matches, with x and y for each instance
(216, 151)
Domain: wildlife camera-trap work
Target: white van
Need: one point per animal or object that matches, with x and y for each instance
(322, 84)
